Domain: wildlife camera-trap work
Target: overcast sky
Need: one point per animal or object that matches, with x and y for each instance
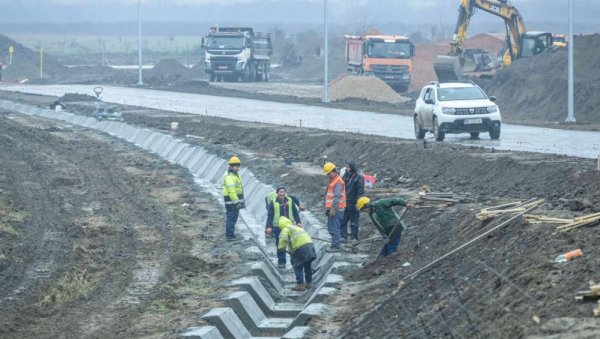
(342, 12)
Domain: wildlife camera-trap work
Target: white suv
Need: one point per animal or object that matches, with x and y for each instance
(455, 108)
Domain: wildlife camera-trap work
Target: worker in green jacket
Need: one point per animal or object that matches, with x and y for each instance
(302, 251)
(233, 195)
(385, 219)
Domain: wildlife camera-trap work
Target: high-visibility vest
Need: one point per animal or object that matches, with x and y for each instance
(329, 196)
(277, 210)
(232, 188)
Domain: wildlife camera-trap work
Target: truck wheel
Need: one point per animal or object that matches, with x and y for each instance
(439, 135)
(495, 133)
(246, 76)
(263, 73)
(252, 75)
(474, 135)
(213, 78)
(419, 131)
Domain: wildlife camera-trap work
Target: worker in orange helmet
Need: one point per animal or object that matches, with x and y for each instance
(335, 204)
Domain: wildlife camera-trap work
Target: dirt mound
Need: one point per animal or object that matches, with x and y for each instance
(74, 97)
(490, 42)
(26, 62)
(368, 88)
(535, 89)
(168, 71)
(423, 64)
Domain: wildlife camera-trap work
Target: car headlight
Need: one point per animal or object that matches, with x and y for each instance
(492, 109)
(448, 110)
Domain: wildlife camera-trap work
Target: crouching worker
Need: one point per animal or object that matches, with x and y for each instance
(385, 219)
(301, 250)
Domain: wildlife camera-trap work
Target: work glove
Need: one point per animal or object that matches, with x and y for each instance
(269, 230)
(409, 205)
(238, 206)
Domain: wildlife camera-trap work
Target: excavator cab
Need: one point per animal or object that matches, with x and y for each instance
(534, 43)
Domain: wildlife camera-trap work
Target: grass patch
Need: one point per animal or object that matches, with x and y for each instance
(5, 228)
(73, 285)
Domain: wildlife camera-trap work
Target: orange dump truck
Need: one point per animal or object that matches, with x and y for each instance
(388, 57)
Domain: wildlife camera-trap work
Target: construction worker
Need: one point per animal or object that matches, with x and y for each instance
(355, 188)
(385, 219)
(302, 251)
(282, 205)
(233, 194)
(335, 204)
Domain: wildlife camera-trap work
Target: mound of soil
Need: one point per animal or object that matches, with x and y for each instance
(535, 89)
(368, 88)
(26, 62)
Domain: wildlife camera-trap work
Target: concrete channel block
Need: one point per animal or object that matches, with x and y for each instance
(203, 164)
(185, 153)
(176, 151)
(201, 332)
(308, 313)
(228, 323)
(164, 149)
(253, 317)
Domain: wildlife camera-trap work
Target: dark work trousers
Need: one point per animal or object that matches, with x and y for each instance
(232, 217)
(302, 261)
(280, 253)
(351, 214)
(391, 246)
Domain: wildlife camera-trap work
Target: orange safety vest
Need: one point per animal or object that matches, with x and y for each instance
(329, 196)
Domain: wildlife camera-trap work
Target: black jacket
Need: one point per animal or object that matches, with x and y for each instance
(355, 186)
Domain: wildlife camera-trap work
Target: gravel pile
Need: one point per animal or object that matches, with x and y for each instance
(366, 88)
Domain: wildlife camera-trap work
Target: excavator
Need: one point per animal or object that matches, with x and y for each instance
(518, 43)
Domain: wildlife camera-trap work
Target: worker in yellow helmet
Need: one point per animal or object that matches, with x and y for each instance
(335, 204)
(233, 195)
(385, 219)
(302, 251)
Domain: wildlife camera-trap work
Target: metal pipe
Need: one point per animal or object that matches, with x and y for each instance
(140, 81)
(325, 59)
(571, 114)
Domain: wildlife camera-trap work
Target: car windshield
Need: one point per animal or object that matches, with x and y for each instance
(389, 50)
(460, 93)
(229, 42)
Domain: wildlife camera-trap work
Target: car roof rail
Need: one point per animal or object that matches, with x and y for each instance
(434, 83)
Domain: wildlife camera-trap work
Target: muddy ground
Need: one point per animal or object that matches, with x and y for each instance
(100, 240)
(498, 287)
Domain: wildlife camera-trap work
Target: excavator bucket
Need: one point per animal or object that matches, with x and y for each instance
(447, 68)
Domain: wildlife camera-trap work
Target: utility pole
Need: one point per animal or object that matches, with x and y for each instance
(325, 59)
(140, 81)
(571, 114)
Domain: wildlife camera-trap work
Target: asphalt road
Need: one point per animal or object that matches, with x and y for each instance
(514, 137)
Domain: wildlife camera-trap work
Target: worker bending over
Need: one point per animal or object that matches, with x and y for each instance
(385, 219)
(281, 206)
(302, 251)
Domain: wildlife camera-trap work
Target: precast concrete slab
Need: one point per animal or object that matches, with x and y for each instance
(194, 159)
(267, 272)
(265, 302)
(228, 323)
(203, 163)
(159, 143)
(201, 332)
(216, 174)
(164, 148)
(177, 151)
(308, 313)
(253, 317)
(185, 153)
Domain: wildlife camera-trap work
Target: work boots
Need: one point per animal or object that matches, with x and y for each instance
(308, 286)
(298, 288)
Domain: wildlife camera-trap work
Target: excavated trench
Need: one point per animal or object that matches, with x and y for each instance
(262, 304)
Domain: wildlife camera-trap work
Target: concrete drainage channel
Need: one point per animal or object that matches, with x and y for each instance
(263, 305)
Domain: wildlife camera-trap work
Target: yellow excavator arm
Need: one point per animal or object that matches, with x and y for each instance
(450, 67)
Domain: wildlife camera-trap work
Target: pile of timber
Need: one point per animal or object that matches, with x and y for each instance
(509, 208)
(439, 199)
(381, 192)
(583, 220)
(592, 294)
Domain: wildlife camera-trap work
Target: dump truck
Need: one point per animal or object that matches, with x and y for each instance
(237, 54)
(518, 42)
(388, 57)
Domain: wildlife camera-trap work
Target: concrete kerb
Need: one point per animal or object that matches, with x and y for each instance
(228, 323)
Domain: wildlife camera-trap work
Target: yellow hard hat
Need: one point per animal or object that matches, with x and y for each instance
(362, 201)
(328, 167)
(234, 160)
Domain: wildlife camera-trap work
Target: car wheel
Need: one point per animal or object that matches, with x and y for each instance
(439, 135)
(419, 132)
(212, 77)
(474, 135)
(495, 133)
